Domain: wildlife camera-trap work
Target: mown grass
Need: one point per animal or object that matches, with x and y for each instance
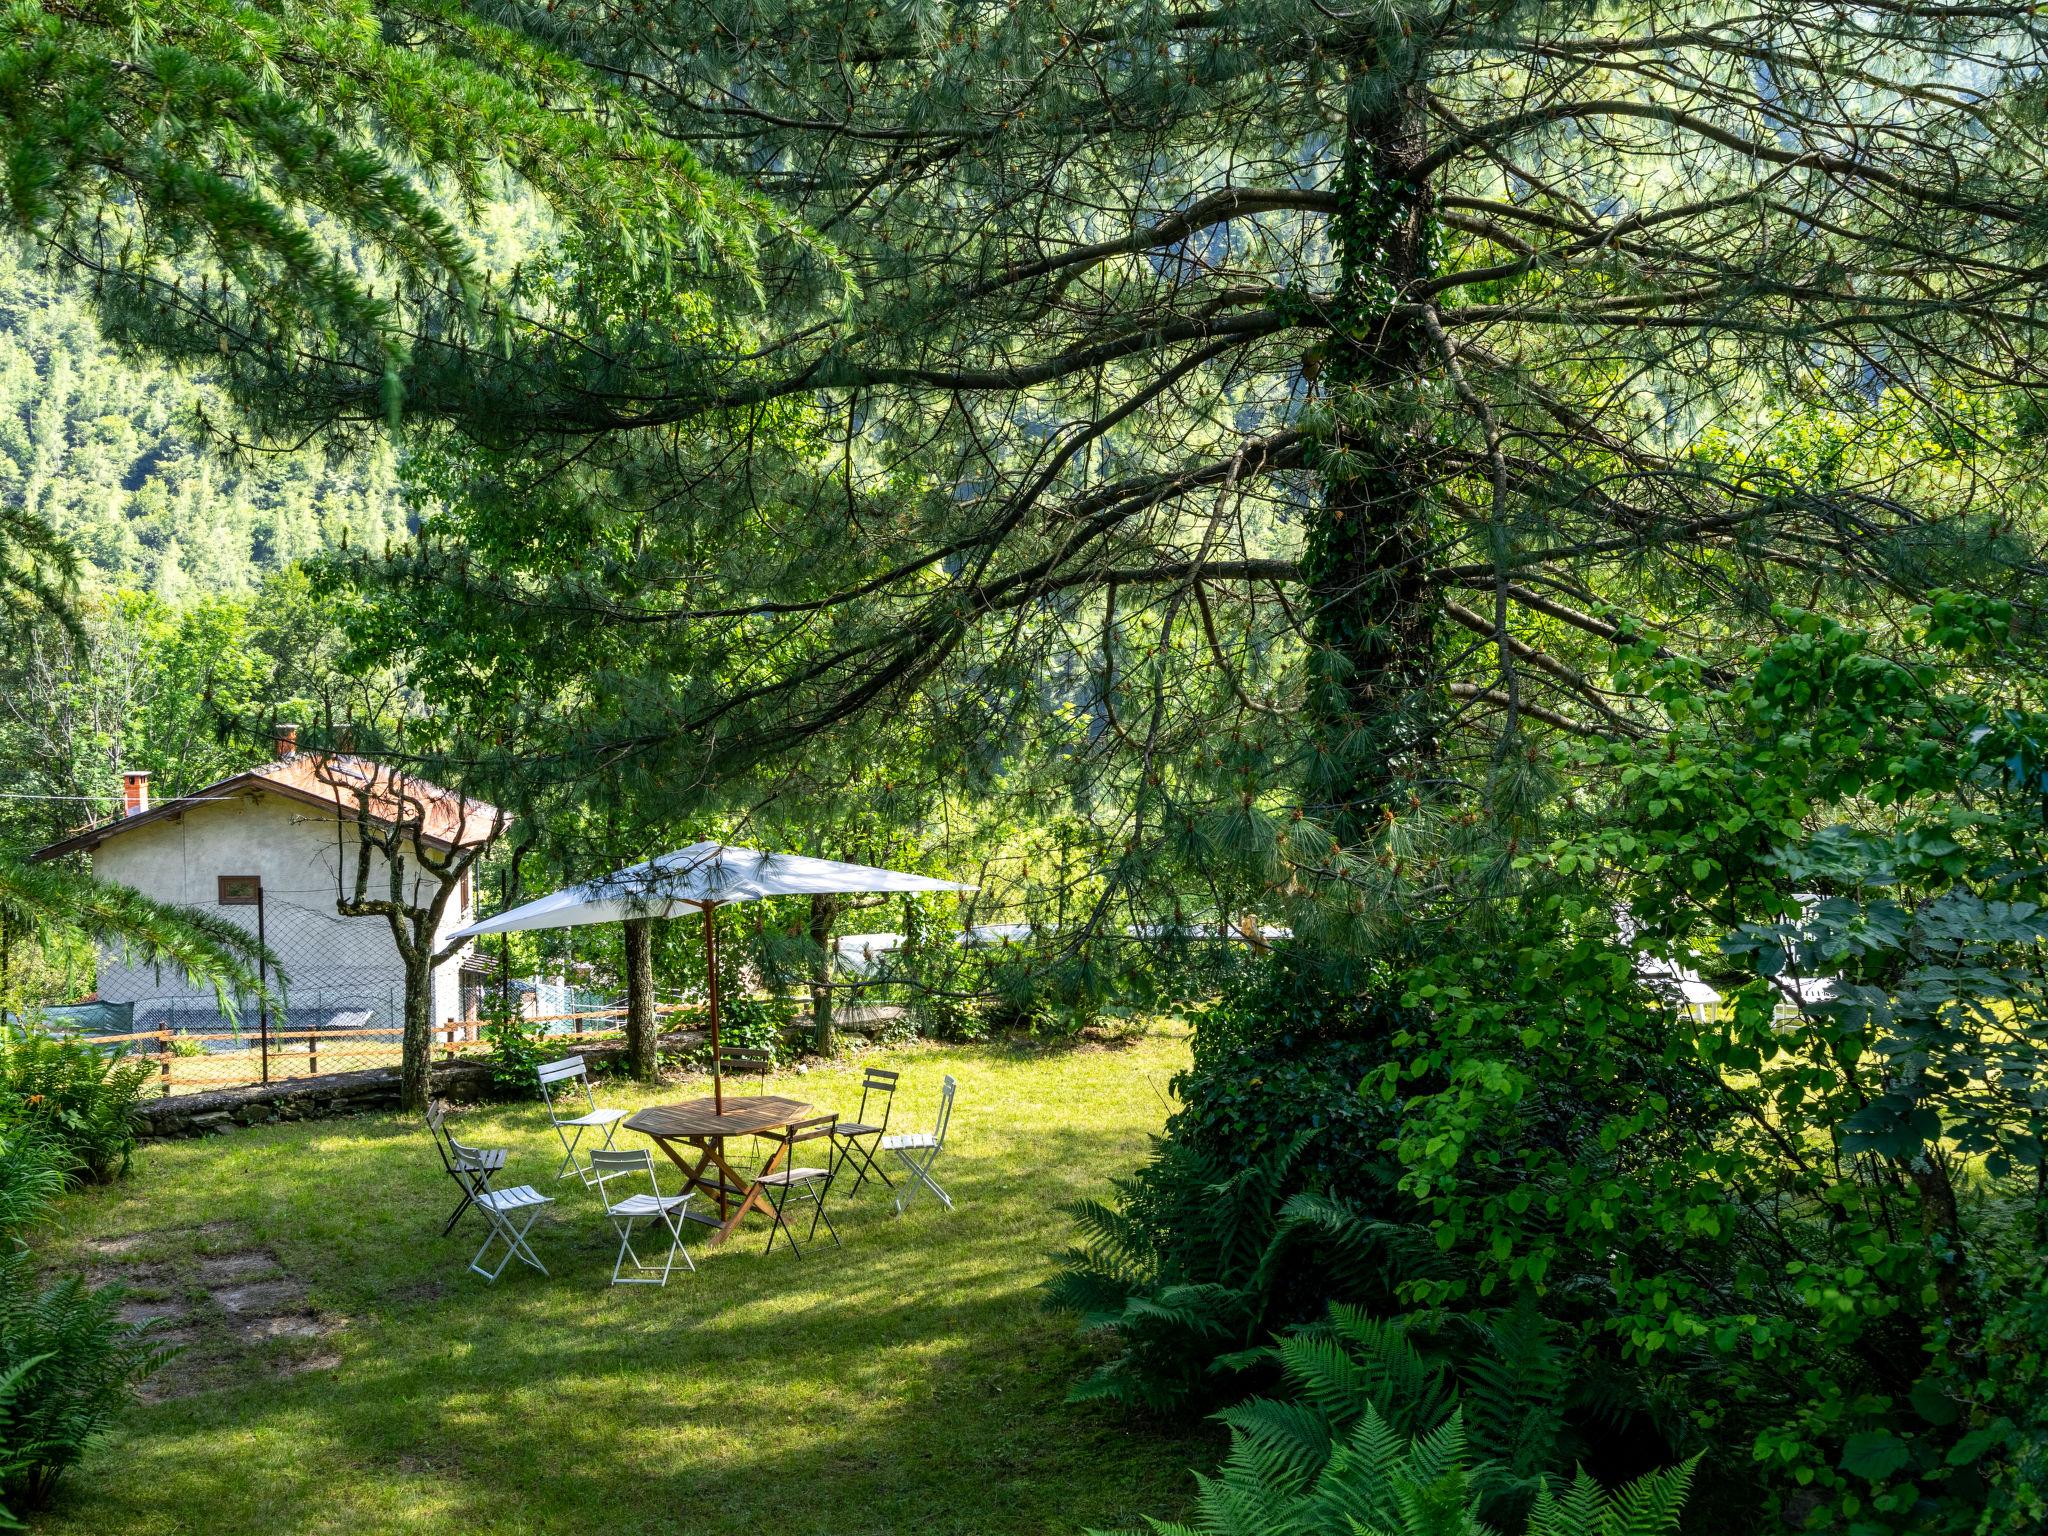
(909, 1381)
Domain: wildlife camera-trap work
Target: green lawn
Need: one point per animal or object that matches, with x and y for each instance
(906, 1382)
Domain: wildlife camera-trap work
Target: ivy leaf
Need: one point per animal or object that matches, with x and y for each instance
(1875, 1454)
(1978, 1441)
(1893, 1126)
(1932, 1402)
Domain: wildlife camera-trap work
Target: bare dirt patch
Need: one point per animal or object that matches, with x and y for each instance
(224, 1302)
(293, 1325)
(259, 1298)
(225, 1268)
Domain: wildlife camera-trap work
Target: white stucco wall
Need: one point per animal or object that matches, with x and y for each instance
(305, 858)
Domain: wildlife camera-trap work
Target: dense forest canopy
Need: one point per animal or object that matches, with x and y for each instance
(114, 457)
(1258, 422)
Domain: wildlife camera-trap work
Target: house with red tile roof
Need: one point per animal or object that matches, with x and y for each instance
(277, 845)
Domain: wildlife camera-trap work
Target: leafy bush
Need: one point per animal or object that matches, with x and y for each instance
(1378, 1485)
(754, 1023)
(70, 1360)
(77, 1095)
(1816, 1212)
(518, 1047)
(1267, 1198)
(1280, 1056)
(66, 1358)
(1200, 1260)
(32, 1173)
(1808, 1224)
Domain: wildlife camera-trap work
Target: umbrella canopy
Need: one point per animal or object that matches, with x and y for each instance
(701, 875)
(706, 876)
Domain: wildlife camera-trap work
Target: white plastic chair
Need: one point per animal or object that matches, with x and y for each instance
(565, 1077)
(510, 1213)
(666, 1209)
(918, 1150)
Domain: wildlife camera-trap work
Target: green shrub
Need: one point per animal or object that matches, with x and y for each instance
(1280, 1056)
(32, 1172)
(66, 1358)
(518, 1047)
(1268, 1197)
(1199, 1260)
(79, 1096)
(755, 1024)
(70, 1361)
(1816, 1215)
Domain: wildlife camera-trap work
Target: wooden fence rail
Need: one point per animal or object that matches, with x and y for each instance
(451, 1036)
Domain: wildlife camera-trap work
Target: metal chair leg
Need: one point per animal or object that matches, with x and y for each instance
(468, 1199)
(863, 1159)
(923, 1177)
(514, 1239)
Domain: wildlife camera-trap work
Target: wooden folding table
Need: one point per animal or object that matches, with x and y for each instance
(701, 1128)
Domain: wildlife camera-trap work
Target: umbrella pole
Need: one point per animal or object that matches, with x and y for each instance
(711, 987)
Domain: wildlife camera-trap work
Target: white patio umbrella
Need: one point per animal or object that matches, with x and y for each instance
(704, 876)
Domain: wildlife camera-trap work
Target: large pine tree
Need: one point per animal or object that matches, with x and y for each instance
(1306, 394)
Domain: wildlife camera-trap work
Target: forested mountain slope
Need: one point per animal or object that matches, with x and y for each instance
(108, 452)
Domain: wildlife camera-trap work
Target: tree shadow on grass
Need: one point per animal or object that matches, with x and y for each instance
(909, 1380)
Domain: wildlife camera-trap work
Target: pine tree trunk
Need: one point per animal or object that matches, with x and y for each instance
(417, 1055)
(640, 1027)
(1366, 549)
(824, 912)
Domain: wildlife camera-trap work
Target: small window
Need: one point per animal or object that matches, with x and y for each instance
(241, 890)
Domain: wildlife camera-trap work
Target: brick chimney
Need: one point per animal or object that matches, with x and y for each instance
(287, 740)
(134, 791)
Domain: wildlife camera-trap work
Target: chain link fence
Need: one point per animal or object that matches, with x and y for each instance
(341, 1007)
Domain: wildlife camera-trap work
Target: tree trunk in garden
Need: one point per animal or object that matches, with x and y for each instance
(1367, 551)
(824, 912)
(640, 1023)
(390, 835)
(416, 1068)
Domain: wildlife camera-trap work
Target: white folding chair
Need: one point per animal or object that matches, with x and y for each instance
(511, 1214)
(665, 1209)
(918, 1150)
(564, 1077)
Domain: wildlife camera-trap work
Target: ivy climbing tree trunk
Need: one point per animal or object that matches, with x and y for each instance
(640, 1022)
(1366, 554)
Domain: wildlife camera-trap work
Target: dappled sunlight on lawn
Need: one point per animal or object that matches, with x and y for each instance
(907, 1381)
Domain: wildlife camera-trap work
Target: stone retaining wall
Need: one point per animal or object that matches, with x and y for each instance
(346, 1093)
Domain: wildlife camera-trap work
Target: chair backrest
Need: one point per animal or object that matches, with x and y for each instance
(945, 1111)
(569, 1070)
(878, 1080)
(437, 1127)
(467, 1159)
(621, 1163)
(817, 1128)
(745, 1061)
(555, 1071)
